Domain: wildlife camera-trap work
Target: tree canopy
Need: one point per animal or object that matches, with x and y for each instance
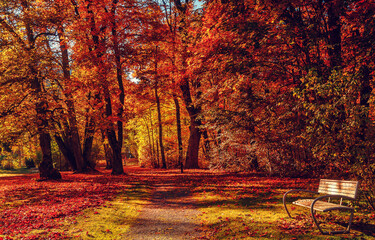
(284, 87)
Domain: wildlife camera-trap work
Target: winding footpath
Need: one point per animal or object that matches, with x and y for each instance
(171, 214)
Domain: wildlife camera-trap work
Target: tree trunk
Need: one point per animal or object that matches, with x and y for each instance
(365, 94)
(149, 142)
(108, 156)
(163, 161)
(114, 141)
(107, 152)
(155, 154)
(46, 170)
(193, 110)
(173, 30)
(67, 152)
(179, 134)
(191, 161)
(334, 33)
(207, 147)
(117, 167)
(87, 144)
(75, 145)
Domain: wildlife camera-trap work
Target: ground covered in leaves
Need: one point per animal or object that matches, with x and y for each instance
(101, 206)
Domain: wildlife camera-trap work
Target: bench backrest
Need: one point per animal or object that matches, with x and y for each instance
(339, 187)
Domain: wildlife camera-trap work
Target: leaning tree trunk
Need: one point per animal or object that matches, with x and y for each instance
(67, 152)
(75, 143)
(116, 145)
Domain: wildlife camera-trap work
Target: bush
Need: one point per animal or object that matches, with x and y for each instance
(29, 162)
(2, 157)
(8, 166)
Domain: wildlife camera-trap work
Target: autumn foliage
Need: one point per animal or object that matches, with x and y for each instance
(278, 87)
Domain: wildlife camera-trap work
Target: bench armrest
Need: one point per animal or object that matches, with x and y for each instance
(332, 208)
(294, 190)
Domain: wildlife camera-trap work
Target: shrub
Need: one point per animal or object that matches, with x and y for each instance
(8, 166)
(29, 162)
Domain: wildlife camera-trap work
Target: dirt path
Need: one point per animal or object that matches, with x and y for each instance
(170, 215)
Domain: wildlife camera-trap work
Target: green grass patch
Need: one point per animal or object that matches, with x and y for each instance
(15, 172)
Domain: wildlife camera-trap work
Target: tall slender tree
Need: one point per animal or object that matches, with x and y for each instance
(193, 107)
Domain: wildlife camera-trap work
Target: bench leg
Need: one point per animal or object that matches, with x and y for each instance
(317, 223)
(286, 209)
(347, 230)
(350, 220)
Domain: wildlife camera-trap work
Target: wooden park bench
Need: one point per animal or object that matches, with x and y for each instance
(328, 190)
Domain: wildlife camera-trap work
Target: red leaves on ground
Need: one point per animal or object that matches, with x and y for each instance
(27, 204)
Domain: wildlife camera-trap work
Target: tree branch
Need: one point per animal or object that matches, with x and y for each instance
(8, 28)
(11, 108)
(179, 6)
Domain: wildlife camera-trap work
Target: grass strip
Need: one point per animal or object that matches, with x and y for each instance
(235, 214)
(110, 221)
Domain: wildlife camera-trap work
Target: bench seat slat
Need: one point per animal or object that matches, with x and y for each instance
(321, 206)
(336, 189)
(332, 188)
